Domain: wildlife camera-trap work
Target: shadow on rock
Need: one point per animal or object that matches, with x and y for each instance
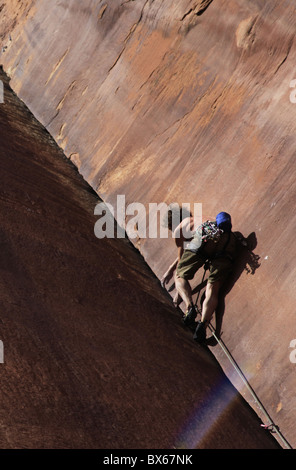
(246, 261)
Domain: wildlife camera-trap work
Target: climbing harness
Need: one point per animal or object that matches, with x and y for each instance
(272, 427)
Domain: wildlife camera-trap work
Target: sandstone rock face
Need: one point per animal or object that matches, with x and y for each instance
(182, 101)
(94, 353)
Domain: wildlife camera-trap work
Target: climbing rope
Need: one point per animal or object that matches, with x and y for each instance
(272, 427)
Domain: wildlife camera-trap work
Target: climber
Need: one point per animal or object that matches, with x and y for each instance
(219, 254)
(183, 233)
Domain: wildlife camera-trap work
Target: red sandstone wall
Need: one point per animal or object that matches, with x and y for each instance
(161, 101)
(94, 352)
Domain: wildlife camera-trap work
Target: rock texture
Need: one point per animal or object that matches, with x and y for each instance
(184, 101)
(94, 351)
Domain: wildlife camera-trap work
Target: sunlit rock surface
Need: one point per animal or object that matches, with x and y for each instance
(181, 101)
(95, 356)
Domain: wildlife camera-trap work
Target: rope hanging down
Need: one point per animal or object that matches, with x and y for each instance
(272, 427)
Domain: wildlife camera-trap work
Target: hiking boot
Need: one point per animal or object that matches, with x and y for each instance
(200, 335)
(190, 315)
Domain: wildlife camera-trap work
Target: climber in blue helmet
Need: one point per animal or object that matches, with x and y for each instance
(213, 243)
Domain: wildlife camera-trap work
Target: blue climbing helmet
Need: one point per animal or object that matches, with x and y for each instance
(223, 220)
